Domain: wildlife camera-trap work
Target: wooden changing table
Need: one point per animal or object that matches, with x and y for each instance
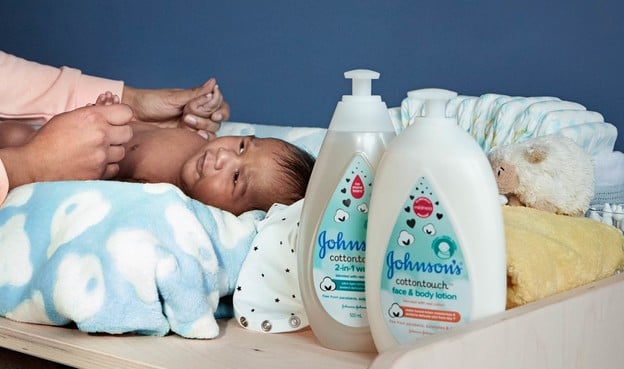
(582, 328)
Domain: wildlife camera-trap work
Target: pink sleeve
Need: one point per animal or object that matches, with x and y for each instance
(33, 90)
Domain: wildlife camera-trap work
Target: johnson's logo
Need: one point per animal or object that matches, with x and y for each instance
(337, 243)
(405, 263)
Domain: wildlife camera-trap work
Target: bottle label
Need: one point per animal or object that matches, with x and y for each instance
(340, 246)
(425, 285)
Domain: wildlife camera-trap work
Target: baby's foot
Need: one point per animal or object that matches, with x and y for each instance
(204, 112)
(107, 98)
(208, 103)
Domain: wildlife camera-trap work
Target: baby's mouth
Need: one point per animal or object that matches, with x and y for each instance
(200, 164)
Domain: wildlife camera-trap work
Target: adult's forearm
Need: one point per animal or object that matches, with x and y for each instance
(30, 90)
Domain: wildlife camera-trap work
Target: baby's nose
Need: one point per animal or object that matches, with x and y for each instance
(224, 156)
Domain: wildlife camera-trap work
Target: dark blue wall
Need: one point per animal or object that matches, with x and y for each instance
(282, 61)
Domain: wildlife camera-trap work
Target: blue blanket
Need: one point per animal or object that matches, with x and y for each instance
(118, 257)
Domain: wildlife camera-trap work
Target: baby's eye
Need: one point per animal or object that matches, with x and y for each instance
(235, 176)
(241, 147)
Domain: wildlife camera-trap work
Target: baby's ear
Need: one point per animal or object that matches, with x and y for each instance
(536, 154)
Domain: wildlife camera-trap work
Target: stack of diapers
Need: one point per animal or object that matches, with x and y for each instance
(495, 120)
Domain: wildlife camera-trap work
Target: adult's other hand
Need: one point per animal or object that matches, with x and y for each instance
(78, 145)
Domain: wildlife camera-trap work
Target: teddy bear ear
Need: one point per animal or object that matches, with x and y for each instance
(536, 154)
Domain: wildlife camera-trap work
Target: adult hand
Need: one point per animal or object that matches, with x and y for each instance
(199, 108)
(81, 144)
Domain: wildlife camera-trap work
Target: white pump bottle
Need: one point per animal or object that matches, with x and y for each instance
(435, 256)
(332, 234)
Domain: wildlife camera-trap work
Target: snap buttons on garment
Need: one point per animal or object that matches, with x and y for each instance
(266, 326)
(294, 321)
(243, 321)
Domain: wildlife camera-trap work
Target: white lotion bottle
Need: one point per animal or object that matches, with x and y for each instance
(331, 242)
(435, 256)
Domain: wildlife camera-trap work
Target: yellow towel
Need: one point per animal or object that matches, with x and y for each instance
(549, 253)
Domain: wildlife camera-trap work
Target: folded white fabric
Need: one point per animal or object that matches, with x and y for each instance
(609, 174)
(609, 167)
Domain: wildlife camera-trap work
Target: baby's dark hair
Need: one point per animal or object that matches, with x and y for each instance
(296, 169)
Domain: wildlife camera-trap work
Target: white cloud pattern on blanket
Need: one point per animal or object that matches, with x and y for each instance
(79, 299)
(74, 216)
(197, 244)
(14, 260)
(31, 310)
(129, 247)
(19, 196)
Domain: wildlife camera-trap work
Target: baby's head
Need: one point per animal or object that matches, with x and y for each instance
(241, 173)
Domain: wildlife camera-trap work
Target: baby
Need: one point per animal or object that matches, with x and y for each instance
(233, 173)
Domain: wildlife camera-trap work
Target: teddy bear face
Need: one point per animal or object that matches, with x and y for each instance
(506, 176)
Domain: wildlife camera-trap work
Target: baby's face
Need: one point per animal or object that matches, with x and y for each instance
(232, 172)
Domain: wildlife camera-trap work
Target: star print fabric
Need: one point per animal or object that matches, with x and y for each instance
(266, 297)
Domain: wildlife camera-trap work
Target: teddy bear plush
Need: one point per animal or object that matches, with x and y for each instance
(550, 173)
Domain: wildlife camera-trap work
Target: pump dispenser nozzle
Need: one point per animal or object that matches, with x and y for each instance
(435, 100)
(361, 111)
(361, 85)
(435, 108)
(432, 93)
